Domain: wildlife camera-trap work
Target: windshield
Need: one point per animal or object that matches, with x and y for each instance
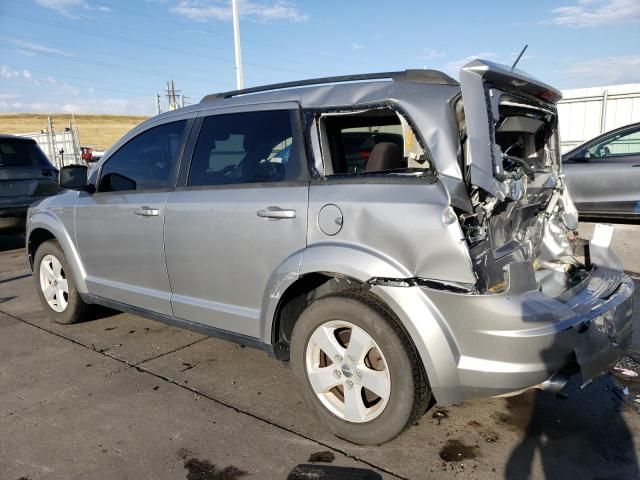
(21, 153)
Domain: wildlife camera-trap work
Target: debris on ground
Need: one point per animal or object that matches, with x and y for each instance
(628, 368)
(325, 457)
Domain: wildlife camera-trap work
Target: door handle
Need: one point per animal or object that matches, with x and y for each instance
(276, 213)
(147, 212)
(636, 165)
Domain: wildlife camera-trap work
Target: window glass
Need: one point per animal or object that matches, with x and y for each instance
(621, 144)
(21, 153)
(246, 148)
(145, 162)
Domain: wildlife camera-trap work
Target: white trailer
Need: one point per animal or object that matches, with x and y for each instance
(585, 113)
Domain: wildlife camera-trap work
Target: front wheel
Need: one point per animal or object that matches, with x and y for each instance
(357, 369)
(56, 286)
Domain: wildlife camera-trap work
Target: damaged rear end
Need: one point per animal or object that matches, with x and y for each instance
(559, 303)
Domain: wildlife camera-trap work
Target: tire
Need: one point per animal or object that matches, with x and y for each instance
(393, 358)
(66, 308)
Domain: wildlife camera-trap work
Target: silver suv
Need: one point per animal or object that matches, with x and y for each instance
(400, 238)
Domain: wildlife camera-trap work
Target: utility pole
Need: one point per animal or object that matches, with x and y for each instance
(158, 105)
(236, 42)
(171, 95)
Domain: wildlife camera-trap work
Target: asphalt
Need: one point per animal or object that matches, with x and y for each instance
(122, 397)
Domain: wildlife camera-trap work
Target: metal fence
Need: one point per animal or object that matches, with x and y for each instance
(61, 147)
(585, 113)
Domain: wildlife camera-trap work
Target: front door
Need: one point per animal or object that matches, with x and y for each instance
(119, 229)
(604, 177)
(242, 212)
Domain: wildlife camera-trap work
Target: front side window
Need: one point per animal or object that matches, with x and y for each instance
(248, 147)
(145, 162)
(627, 143)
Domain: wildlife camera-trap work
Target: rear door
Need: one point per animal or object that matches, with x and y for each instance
(119, 228)
(241, 212)
(604, 176)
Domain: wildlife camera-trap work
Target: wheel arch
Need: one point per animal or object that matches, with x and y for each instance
(44, 227)
(327, 269)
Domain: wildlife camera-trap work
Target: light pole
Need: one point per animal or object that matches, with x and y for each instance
(236, 41)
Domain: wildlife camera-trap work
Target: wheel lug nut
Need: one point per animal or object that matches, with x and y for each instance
(358, 374)
(337, 373)
(352, 359)
(349, 384)
(338, 358)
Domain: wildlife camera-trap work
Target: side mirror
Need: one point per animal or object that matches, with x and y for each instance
(73, 177)
(582, 156)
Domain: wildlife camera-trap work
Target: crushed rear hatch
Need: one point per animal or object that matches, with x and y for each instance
(521, 210)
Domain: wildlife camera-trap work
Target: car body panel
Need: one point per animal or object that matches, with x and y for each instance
(56, 216)
(122, 252)
(220, 254)
(606, 186)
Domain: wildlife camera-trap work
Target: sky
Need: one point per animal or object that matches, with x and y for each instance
(113, 56)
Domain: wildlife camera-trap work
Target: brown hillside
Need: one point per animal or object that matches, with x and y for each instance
(97, 131)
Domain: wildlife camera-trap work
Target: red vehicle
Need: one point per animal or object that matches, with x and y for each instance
(87, 154)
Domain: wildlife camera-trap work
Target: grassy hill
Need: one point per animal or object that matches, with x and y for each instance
(98, 131)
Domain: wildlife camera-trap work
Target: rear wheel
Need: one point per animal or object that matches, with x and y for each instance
(56, 286)
(357, 369)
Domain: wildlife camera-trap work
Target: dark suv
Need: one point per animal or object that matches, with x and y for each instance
(26, 175)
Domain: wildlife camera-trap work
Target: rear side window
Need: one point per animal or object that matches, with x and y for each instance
(146, 162)
(21, 153)
(369, 141)
(248, 147)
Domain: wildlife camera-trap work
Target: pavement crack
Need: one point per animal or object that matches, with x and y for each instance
(138, 366)
(170, 351)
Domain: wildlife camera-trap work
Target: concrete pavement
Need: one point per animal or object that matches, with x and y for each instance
(125, 397)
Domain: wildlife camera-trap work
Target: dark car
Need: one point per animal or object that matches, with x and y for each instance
(26, 175)
(603, 174)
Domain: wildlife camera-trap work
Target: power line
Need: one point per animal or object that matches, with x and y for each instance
(129, 40)
(115, 66)
(261, 43)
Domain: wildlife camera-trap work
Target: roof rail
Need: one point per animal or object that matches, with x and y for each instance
(420, 76)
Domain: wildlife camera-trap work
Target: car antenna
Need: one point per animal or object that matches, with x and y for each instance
(519, 57)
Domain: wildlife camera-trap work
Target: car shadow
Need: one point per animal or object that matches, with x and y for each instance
(579, 433)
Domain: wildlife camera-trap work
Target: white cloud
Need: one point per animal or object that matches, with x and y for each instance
(71, 8)
(31, 48)
(8, 96)
(356, 46)
(604, 71)
(255, 10)
(8, 73)
(430, 54)
(64, 7)
(121, 106)
(59, 88)
(589, 13)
